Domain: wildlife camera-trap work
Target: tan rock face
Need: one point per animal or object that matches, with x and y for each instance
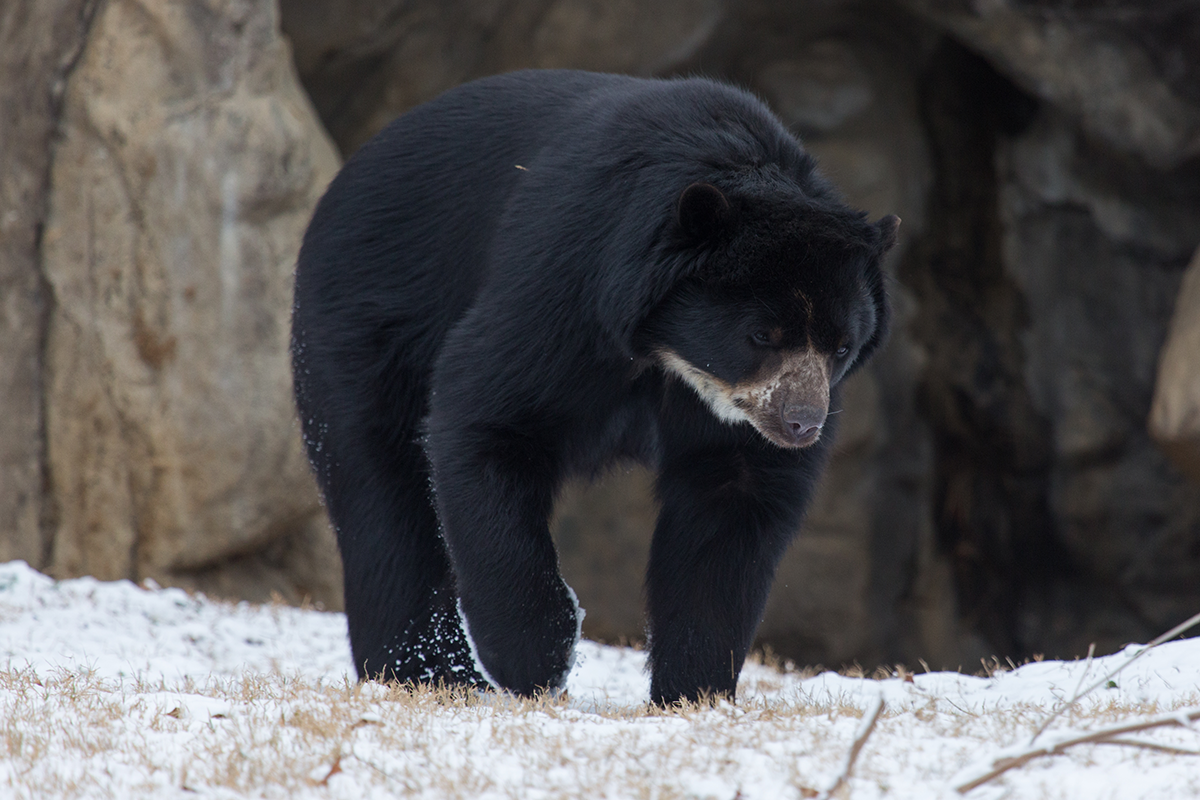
(1175, 411)
(39, 41)
(188, 164)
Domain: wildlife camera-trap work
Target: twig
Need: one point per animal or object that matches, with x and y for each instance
(870, 717)
(1061, 707)
(1155, 746)
(1057, 712)
(1087, 667)
(970, 778)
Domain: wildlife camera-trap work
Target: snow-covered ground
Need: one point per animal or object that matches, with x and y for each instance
(114, 690)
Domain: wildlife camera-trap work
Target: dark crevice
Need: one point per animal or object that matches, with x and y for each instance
(993, 451)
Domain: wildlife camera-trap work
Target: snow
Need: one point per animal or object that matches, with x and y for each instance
(116, 690)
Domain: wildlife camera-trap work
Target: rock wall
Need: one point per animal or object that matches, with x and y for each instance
(184, 164)
(364, 62)
(39, 44)
(1000, 484)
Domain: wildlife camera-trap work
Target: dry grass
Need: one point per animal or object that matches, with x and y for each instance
(69, 734)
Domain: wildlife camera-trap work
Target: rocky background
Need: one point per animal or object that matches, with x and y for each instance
(1018, 473)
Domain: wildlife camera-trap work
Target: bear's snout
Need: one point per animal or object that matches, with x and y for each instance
(795, 400)
(802, 423)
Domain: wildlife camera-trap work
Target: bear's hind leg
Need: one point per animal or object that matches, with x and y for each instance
(401, 604)
(495, 492)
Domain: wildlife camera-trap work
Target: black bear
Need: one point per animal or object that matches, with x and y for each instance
(532, 276)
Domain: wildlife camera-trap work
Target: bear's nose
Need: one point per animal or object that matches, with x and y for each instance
(802, 423)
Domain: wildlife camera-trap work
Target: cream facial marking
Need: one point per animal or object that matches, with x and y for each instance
(716, 393)
(790, 387)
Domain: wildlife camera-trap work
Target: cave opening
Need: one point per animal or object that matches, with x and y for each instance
(993, 451)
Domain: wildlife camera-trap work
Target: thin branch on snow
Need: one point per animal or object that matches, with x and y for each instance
(870, 717)
(971, 777)
(1015, 757)
(1155, 746)
(1078, 693)
(1058, 710)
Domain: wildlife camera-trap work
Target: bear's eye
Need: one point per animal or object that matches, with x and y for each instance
(842, 351)
(767, 337)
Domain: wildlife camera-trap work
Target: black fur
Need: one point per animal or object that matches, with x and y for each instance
(481, 300)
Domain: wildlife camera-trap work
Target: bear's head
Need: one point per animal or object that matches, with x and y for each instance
(783, 298)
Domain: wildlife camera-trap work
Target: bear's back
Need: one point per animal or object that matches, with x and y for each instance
(406, 234)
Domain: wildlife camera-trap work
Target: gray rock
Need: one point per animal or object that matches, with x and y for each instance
(363, 69)
(1098, 64)
(820, 89)
(1096, 247)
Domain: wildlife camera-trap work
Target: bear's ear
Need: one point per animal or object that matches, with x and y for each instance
(888, 232)
(703, 211)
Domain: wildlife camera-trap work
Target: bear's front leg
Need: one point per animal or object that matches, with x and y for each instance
(494, 491)
(727, 517)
